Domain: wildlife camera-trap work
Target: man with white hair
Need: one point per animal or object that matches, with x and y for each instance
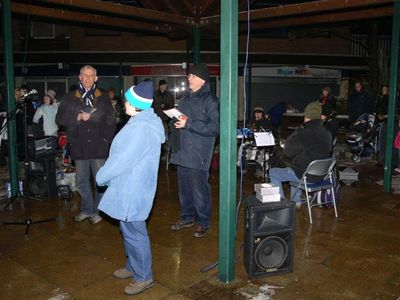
(89, 117)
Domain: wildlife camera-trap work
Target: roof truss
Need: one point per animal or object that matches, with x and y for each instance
(128, 18)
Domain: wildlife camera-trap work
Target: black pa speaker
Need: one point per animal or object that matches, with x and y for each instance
(269, 238)
(42, 177)
(40, 148)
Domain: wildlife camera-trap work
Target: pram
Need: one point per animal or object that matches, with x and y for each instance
(362, 137)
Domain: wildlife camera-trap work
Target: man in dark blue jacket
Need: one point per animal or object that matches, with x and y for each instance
(193, 140)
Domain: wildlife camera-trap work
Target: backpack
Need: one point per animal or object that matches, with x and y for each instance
(324, 198)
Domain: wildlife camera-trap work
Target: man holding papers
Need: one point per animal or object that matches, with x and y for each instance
(89, 117)
(192, 144)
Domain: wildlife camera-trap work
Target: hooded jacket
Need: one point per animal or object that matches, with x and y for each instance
(196, 140)
(131, 170)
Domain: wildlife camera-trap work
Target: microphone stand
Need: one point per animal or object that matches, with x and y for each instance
(11, 116)
(28, 219)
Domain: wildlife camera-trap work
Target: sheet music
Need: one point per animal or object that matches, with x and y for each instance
(173, 113)
(264, 139)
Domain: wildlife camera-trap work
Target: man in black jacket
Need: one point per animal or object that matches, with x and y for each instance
(193, 142)
(90, 120)
(359, 103)
(306, 144)
(163, 99)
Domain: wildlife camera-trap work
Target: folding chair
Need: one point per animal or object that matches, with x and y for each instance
(322, 168)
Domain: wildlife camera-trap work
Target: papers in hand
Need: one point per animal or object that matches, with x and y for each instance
(174, 113)
(264, 139)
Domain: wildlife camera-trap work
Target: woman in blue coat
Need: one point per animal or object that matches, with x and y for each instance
(130, 173)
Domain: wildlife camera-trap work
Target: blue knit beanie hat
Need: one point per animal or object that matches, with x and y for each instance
(141, 95)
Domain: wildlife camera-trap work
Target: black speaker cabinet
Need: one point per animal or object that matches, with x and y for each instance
(42, 177)
(269, 238)
(40, 148)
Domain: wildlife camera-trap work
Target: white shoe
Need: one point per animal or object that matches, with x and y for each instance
(137, 287)
(94, 219)
(82, 216)
(122, 273)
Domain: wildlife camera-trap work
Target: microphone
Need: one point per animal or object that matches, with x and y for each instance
(30, 93)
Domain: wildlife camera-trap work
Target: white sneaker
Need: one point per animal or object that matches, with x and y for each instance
(136, 287)
(122, 273)
(82, 216)
(94, 219)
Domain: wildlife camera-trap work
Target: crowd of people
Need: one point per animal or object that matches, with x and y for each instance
(119, 144)
(316, 138)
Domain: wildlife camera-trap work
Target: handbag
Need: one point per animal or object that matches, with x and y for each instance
(397, 141)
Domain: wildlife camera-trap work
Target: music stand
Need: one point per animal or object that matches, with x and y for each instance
(264, 140)
(28, 219)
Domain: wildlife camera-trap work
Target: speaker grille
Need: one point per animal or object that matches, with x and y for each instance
(269, 238)
(38, 186)
(270, 253)
(42, 177)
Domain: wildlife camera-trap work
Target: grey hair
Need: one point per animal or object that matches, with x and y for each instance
(88, 67)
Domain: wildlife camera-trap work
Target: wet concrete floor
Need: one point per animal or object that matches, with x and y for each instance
(356, 256)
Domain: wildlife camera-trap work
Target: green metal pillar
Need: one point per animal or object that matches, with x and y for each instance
(228, 104)
(10, 95)
(196, 45)
(394, 59)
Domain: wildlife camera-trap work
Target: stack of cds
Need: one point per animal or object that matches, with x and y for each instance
(267, 192)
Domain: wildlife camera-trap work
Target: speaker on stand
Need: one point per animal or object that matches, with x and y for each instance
(269, 238)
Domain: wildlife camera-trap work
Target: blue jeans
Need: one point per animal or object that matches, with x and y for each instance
(279, 175)
(85, 168)
(137, 249)
(194, 195)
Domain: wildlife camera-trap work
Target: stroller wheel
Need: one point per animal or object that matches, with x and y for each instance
(356, 158)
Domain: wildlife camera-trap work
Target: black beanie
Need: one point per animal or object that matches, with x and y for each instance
(161, 82)
(201, 71)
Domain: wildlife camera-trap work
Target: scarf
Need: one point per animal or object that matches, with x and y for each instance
(324, 100)
(87, 95)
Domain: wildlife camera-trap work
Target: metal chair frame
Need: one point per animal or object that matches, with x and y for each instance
(323, 168)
